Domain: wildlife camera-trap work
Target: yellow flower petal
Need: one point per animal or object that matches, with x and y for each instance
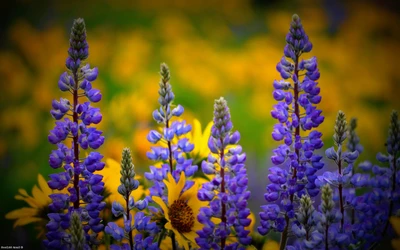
(191, 236)
(31, 202)
(196, 130)
(181, 241)
(168, 226)
(43, 185)
(26, 220)
(204, 140)
(174, 189)
(191, 192)
(161, 203)
(19, 197)
(271, 245)
(23, 192)
(22, 212)
(40, 198)
(395, 221)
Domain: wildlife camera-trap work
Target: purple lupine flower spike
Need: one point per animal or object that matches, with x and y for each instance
(227, 192)
(173, 154)
(295, 162)
(86, 186)
(140, 222)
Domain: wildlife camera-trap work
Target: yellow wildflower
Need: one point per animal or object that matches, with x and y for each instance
(181, 211)
(38, 206)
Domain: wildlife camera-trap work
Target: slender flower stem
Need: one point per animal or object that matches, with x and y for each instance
(223, 211)
(341, 194)
(284, 234)
(173, 241)
(169, 147)
(326, 237)
(75, 141)
(128, 215)
(393, 189)
(160, 238)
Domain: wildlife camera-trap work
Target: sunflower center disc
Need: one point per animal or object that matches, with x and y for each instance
(181, 216)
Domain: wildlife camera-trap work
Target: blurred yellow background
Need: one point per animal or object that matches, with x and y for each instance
(213, 49)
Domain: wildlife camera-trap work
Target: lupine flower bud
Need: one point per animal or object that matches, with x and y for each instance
(353, 142)
(77, 234)
(326, 197)
(393, 141)
(340, 128)
(78, 45)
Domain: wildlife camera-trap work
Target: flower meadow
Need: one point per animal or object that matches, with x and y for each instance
(195, 194)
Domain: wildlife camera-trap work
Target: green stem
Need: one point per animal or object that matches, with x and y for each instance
(173, 241)
(161, 237)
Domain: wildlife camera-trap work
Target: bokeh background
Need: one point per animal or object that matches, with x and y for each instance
(213, 49)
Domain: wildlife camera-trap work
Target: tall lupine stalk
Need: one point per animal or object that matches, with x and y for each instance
(353, 144)
(227, 191)
(85, 188)
(140, 222)
(295, 161)
(345, 181)
(328, 213)
(393, 150)
(172, 146)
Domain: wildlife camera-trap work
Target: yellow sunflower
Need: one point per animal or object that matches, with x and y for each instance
(38, 202)
(181, 211)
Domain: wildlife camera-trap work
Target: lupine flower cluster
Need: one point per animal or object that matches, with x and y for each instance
(227, 192)
(140, 222)
(174, 162)
(172, 138)
(358, 221)
(295, 162)
(84, 198)
(348, 206)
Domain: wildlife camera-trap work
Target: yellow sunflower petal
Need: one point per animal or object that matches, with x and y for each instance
(31, 202)
(168, 226)
(250, 227)
(188, 194)
(395, 221)
(22, 212)
(204, 139)
(196, 130)
(271, 245)
(161, 203)
(41, 199)
(19, 197)
(181, 183)
(26, 220)
(215, 220)
(112, 164)
(23, 192)
(191, 236)
(174, 189)
(43, 185)
(181, 240)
